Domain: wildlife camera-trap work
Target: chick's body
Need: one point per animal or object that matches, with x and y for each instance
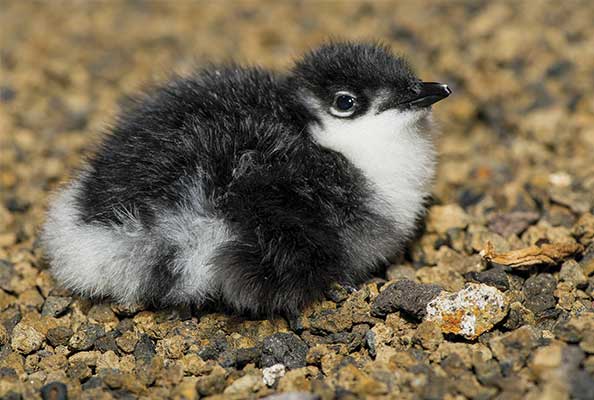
(236, 184)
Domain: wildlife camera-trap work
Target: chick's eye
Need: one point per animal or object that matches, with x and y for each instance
(344, 104)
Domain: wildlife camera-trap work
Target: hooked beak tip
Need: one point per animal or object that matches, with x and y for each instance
(431, 93)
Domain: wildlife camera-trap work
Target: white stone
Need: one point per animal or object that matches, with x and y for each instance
(468, 312)
(273, 373)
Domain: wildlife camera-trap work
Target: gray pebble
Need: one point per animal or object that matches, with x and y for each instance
(405, 295)
(538, 290)
(55, 306)
(284, 348)
(495, 277)
(145, 349)
(86, 336)
(59, 335)
(54, 391)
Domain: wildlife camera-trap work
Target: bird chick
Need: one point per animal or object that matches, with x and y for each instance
(251, 188)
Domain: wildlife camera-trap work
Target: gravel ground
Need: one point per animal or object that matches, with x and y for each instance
(494, 300)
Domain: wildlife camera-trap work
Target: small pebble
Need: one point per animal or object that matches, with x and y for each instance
(469, 312)
(26, 339)
(273, 373)
(538, 290)
(144, 349)
(54, 391)
(55, 306)
(284, 348)
(404, 295)
(495, 277)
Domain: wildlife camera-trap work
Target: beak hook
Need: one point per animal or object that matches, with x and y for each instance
(431, 92)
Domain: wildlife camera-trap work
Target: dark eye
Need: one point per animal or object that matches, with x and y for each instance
(344, 104)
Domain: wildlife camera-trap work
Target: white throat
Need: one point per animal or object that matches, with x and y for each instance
(393, 149)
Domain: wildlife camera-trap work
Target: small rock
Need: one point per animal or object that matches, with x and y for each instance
(353, 340)
(442, 218)
(125, 325)
(102, 314)
(45, 283)
(404, 295)
(126, 310)
(246, 356)
(79, 371)
(578, 202)
(85, 337)
(337, 293)
(513, 223)
(112, 377)
(59, 336)
(7, 94)
(54, 391)
(582, 385)
(330, 321)
(513, 349)
(468, 312)
(11, 317)
(573, 273)
(4, 336)
(147, 372)
(107, 343)
(192, 364)
(448, 279)
(587, 262)
(127, 341)
(86, 357)
(517, 316)
(247, 384)
(92, 383)
(359, 382)
(239, 358)
(453, 261)
(284, 348)
(560, 216)
(211, 384)
(587, 343)
(55, 306)
(316, 353)
(584, 228)
(185, 390)
(272, 374)
(539, 290)
(398, 272)
(565, 294)
(546, 358)
(173, 347)
(6, 300)
(53, 362)
(26, 339)
(31, 298)
(495, 277)
(6, 273)
(108, 360)
(145, 349)
(217, 345)
(428, 335)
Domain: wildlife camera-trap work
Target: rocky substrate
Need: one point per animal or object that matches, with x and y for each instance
(494, 299)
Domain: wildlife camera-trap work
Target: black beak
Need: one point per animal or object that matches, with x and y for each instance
(431, 92)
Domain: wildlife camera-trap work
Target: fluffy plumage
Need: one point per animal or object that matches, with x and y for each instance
(240, 185)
